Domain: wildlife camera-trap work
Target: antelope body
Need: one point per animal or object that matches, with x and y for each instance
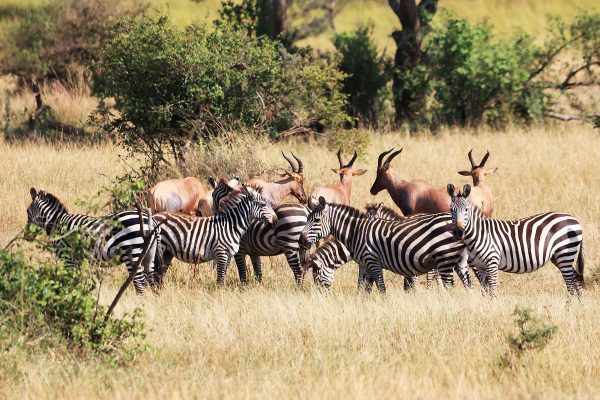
(481, 193)
(176, 195)
(339, 192)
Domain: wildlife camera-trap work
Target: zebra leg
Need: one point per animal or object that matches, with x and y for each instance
(257, 266)
(432, 276)
(565, 265)
(462, 270)
(240, 262)
(376, 274)
(362, 277)
(222, 260)
(163, 262)
(446, 275)
(480, 277)
(491, 272)
(410, 283)
(294, 263)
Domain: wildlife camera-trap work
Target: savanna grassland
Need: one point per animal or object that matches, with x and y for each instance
(276, 341)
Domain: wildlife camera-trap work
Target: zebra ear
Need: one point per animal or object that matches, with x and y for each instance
(451, 190)
(466, 191)
(33, 193)
(212, 182)
(322, 201)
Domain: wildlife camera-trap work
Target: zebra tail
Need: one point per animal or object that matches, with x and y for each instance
(580, 265)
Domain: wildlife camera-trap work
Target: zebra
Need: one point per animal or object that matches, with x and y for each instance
(266, 240)
(198, 239)
(115, 237)
(409, 248)
(520, 246)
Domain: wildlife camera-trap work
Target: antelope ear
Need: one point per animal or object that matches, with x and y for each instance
(33, 193)
(465, 173)
(466, 191)
(451, 190)
(336, 170)
(359, 172)
(322, 201)
(491, 170)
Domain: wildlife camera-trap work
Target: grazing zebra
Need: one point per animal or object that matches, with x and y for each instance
(409, 248)
(117, 236)
(520, 246)
(198, 239)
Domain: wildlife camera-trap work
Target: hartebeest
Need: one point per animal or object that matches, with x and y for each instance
(481, 194)
(292, 183)
(176, 195)
(339, 191)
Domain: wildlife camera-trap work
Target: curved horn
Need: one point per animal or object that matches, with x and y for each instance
(385, 153)
(391, 157)
(484, 159)
(351, 163)
(339, 156)
(473, 165)
(289, 161)
(300, 164)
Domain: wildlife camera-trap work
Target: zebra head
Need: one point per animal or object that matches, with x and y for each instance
(44, 211)
(323, 274)
(373, 210)
(259, 207)
(220, 191)
(461, 209)
(316, 225)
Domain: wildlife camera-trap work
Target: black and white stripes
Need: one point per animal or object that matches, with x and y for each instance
(117, 236)
(520, 246)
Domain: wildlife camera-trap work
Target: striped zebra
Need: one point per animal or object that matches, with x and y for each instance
(520, 246)
(115, 237)
(199, 239)
(410, 247)
(265, 240)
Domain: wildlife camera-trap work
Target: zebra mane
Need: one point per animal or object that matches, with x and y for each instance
(349, 210)
(234, 198)
(54, 200)
(385, 211)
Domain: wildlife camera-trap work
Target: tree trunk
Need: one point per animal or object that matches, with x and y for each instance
(415, 25)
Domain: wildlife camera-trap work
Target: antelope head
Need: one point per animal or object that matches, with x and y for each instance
(296, 178)
(478, 171)
(347, 170)
(382, 169)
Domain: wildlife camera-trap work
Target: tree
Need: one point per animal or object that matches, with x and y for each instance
(415, 20)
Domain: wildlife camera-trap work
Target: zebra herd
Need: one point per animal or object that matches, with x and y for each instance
(246, 224)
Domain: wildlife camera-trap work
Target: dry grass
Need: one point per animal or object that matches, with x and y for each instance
(278, 342)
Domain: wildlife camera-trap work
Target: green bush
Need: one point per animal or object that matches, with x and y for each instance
(173, 87)
(367, 75)
(55, 302)
(58, 38)
(477, 79)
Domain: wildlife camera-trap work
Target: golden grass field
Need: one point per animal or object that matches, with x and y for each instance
(276, 341)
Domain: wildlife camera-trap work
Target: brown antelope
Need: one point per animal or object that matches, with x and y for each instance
(481, 194)
(292, 183)
(339, 191)
(176, 195)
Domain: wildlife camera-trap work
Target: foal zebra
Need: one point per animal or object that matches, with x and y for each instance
(520, 246)
(117, 236)
(197, 239)
(409, 248)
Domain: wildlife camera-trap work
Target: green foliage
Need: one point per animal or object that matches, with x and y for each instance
(478, 79)
(57, 302)
(367, 74)
(173, 88)
(533, 334)
(350, 140)
(58, 38)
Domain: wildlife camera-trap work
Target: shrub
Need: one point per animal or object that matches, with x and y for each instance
(173, 88)
(51, 301)
(478, 79)
(366, 75)
(55, 39)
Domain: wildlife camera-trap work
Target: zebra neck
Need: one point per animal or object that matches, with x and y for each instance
(477, 230)
(239, 218)
(71, 221)
(343, 226)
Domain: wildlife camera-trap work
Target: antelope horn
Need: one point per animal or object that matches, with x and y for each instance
(351, 163)
(289, 161)
(473, 165)
(300, 164)
(380, 159)
(391, 157)
(339, 156)
(484, 159)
